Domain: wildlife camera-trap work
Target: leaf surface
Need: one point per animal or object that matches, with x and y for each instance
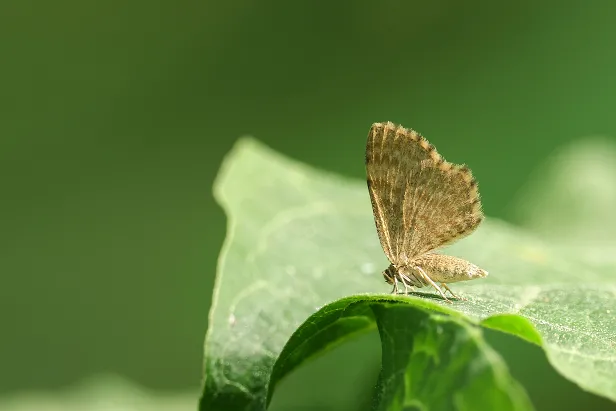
(300, 240)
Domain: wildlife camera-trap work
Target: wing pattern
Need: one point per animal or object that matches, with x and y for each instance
(420, 201)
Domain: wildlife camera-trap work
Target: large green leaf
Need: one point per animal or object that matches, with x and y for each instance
(300, 239)
(430, 360)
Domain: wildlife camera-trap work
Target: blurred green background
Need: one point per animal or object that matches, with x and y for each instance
(115, 117)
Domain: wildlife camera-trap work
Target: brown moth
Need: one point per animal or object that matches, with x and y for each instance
(420, 203)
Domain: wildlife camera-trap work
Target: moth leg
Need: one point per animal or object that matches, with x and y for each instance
(432, 283)
(451, 292)
(404, 278)
(395, 289)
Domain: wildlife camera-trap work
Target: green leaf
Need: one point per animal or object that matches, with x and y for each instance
(437, 362)
(430, 361)
(572, 196)
(299, 239)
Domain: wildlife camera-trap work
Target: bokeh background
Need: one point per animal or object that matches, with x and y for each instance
(115, 116)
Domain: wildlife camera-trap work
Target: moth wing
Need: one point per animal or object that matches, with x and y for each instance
(420, 201)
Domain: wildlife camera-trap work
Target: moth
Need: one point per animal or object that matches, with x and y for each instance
(420, 203)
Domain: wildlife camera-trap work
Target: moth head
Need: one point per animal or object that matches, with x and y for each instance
(390, 274)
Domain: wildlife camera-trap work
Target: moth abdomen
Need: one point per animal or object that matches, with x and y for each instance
(443, 268)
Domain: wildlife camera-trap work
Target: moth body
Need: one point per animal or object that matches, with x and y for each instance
(439, 268)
